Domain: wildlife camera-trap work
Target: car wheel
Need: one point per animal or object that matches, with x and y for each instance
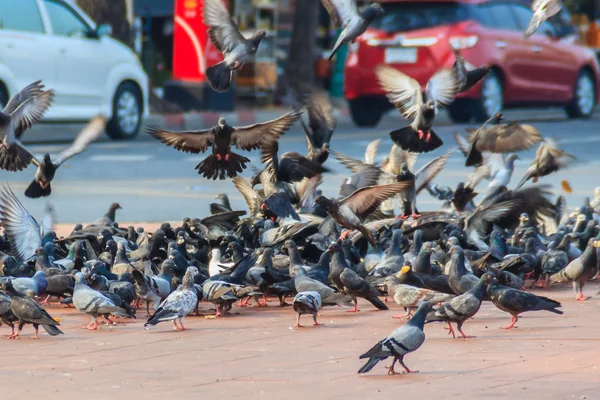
(584, 96)
(492, 97)
(365, 112)
(3, 96)
(127, 112)
(460, 111)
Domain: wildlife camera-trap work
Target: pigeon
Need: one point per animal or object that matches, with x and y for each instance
(21, 112)
(345, 15)
(459, 278)
(542, 11)
(405, 94)
(46, 168)
(321, 124)
(7, 317)
(178, 304)
(409, 297)
(28, 311)
(515, 301)
(580, 270)
(223, 163)
(406, 339)
(32, 287)
(548, 159)
(462, 307)
(307, 303)
(467, 79)
(152, 288)
(350, 212)
(92, 302)
(227, 39)
(23, 231)
(304, 283)
(499, 138)
(107, 219)
(355, 286)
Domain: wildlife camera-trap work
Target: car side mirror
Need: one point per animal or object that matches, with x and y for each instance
(103, 30)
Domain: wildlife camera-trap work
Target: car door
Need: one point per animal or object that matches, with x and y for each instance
(552, 59)
(82, 68)
(515, 57)
(25, 54)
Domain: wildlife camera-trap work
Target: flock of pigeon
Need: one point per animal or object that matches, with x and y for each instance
(296, 243)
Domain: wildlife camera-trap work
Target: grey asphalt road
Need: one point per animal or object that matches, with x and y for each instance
(155, 183)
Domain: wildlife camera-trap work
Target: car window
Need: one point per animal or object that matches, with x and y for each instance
(524, 14)
(64, 21)
(500, 16)
(22, 15)
(408, 16)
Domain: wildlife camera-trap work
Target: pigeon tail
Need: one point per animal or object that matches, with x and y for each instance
(35, 190)
(369, 365)
(161, 315)
(367, 235)
(219, 77)
(475, 76)
(373, 299)
(408, 139)
(474, 158)
(52, 330)
(212, 168)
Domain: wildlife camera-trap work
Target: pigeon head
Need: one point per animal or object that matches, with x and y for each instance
(511, 159)
(372, 12)
(323, 202)
(222, 122)
(404, 167)
(47, 159)
(524, 217)
(115, 206)
(80, 279)
(487, 278)
(256, 39)
(333, 248)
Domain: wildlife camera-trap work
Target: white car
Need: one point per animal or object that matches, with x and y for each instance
(91, 73)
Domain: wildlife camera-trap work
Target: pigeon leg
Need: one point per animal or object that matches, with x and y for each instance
(36, 327)
(406, 370)
(451, 331)
(391, 370)
(148, 308)
(315, 323)
(459, 327)
(298, 322)
(183, 328)
(218, 157)
(428, 137)
(415, 216)
(14, 335)
(581, 297)
(513, 321)
(227, 155)
(355, 309)
(258, 303)
(45, 301)
(421, 134)
(175, 327)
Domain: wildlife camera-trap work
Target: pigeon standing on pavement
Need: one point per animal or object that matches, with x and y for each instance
(226, 37)
(406, 339)
(307, 303)
(92, 302)
(46, 168)
(28, 311)
(515, 301)
(345, 15)
(542, 10)
(405, 94)
(178, 304)
(223, 163)
(580, 270)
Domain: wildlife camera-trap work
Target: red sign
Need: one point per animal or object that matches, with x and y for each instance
(192, 49)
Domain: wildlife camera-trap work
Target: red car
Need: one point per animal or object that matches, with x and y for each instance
(549, 68)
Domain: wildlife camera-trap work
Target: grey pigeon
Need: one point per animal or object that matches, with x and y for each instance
(581, 269)
(304, 283)
(226, 37)
(92, 302)
(151, 289)
(459, 278)
(28, 311)
(32, 287)
(307, 303)
(7, 317)
(345, 15)
(178, 304)
(461, 308)
(406, 339)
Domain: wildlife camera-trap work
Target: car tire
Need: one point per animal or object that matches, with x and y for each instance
(3, 96)
(492, 97)
(127, 112)
(584, 96)
(365, 112)
(460, 111)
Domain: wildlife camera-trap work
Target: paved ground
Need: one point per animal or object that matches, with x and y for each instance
(155, 183)
(256, 353)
